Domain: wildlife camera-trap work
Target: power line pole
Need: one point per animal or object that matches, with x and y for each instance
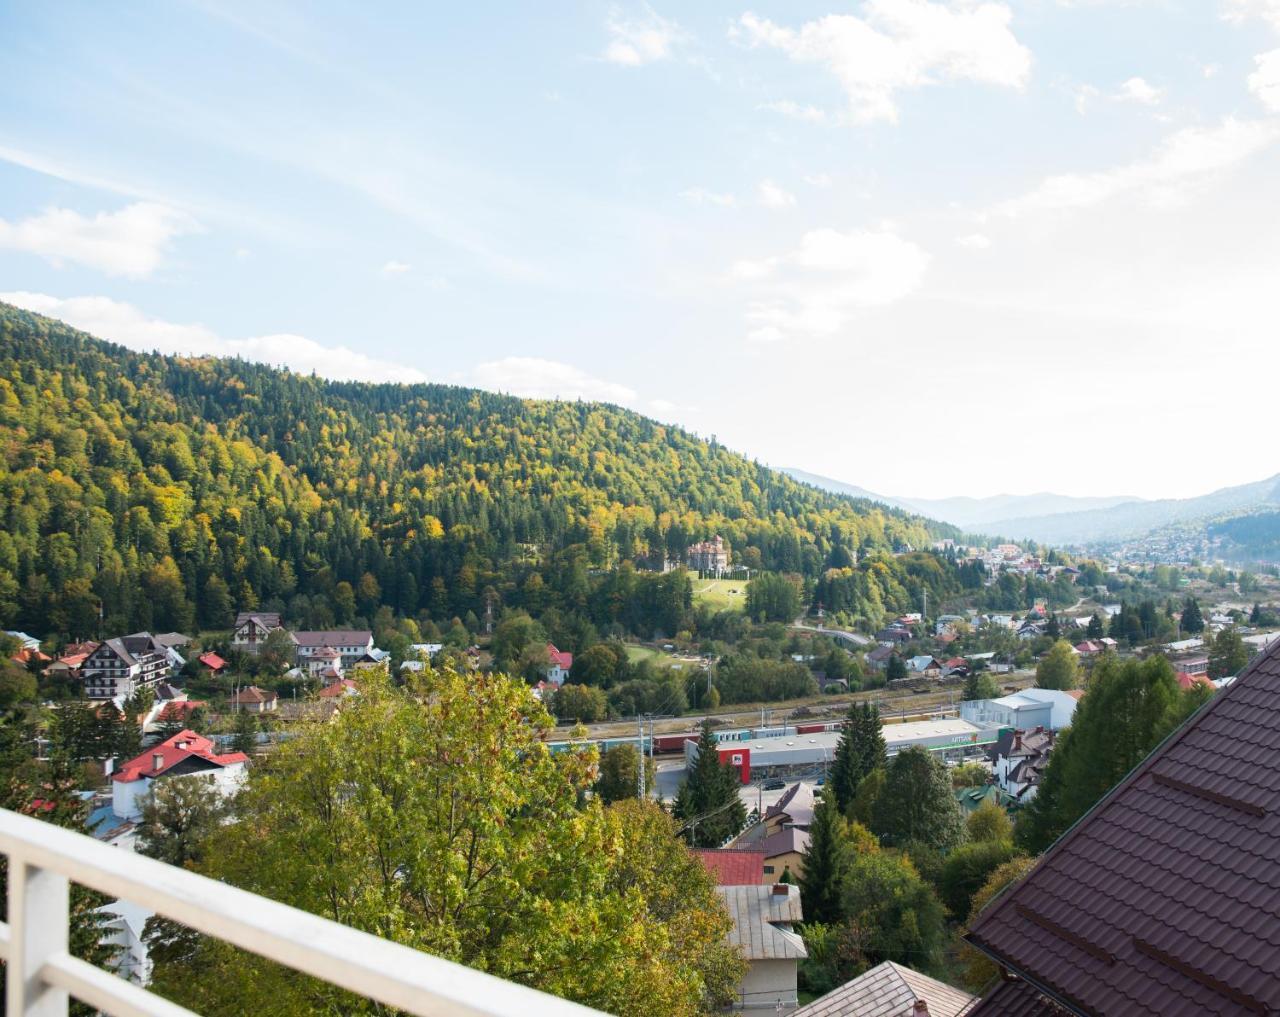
(640, 789)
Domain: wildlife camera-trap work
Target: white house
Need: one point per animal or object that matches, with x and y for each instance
(1024, 711)
(121, 666)
(352, 644)
(1019, 759)
(251, 630)
(763, 920)
(559, 664)
(185, 754)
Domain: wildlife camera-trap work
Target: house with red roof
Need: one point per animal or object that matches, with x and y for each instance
(213, 662)
(340, 689)
(1188, 681)
(558, 665)
(733, 866)
(185, 754)
(179, 711)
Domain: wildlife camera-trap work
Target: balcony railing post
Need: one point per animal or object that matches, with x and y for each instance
(39, 919)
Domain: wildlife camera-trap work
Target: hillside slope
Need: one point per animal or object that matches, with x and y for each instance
(156, 486)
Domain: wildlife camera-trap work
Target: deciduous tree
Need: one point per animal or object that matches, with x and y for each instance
(916, 804)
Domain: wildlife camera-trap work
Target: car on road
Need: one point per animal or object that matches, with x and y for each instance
(774, 785)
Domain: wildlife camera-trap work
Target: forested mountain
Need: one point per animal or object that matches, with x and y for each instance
(171, 491)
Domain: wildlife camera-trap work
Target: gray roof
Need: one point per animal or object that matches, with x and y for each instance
(334, 637)
(791, 839)
(797, 804)
(889, 990)
(762, 919)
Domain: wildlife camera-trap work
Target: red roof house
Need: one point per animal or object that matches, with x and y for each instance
(733, 866)
(213, 662)
(339, 689)
(185, 754)
(179, 711)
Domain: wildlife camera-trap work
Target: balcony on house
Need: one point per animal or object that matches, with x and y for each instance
(42, 976)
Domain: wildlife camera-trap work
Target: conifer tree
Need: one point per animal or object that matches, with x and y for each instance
(823, 863)
(859, 751)
(708, 800)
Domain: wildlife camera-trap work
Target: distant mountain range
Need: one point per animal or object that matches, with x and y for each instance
(1064, 520)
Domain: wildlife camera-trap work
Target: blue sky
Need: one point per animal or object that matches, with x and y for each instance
(929, 248)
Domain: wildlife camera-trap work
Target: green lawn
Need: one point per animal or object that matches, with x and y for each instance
(721, 594)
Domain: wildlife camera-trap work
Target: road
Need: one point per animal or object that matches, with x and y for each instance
(848, 637)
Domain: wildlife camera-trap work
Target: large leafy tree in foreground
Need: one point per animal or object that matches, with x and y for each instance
(435, 816)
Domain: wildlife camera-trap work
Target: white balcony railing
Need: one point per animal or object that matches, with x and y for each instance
(42, 974)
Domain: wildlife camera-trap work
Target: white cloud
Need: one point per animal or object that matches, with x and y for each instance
(818, 179)
(642, 40)
(1184, 160)
(819, 286)
(1265, 81)
(394, 267)
(975, 241)
(1141, 91)
(1210, 70)
(125, 324)
(1240, 10)
(702, 196)
(771, 195)
(131, 242)
(1084, 95)
(536, 378)
(788, 108)
(900, 44)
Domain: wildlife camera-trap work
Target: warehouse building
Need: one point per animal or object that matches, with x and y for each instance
(811, 754)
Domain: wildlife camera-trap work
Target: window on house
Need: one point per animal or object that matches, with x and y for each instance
(768, 870)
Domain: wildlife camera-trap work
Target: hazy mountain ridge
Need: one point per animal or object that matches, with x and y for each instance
(973, 513)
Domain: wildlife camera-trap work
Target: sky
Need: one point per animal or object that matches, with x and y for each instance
(929, 248)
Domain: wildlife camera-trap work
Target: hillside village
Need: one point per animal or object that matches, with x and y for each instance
(145, 713)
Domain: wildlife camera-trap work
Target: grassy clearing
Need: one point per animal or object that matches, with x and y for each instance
(721, 594)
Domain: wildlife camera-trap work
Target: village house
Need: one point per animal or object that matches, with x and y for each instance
(352, 645)
(341, 689)
(185, 754)
(117, 668)
(764, 918)
(925, 665)
(784, 853)
(251, 630)
(1019, 759)
(252, 699)
(558, 665)
(733, 866)
(879, 657)
(890, 990)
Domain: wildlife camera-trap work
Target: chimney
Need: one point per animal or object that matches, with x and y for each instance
(157, 760)
(780, 889)
(1017, 740)
(921, 1009)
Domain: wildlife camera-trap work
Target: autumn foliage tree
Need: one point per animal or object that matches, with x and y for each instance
(436, 816)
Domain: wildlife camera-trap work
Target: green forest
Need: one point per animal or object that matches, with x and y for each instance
(142, 491)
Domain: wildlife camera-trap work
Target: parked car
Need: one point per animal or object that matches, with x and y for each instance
(774, 785)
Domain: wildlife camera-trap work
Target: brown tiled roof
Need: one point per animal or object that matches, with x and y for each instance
(889, 990)
(1016, 999)
(1164, 900)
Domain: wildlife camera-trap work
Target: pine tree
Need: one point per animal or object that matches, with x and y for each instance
(1192, 618)
(896, 669)
(860, 750)
(823, 864)
(708, 800)
(1094, 631)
